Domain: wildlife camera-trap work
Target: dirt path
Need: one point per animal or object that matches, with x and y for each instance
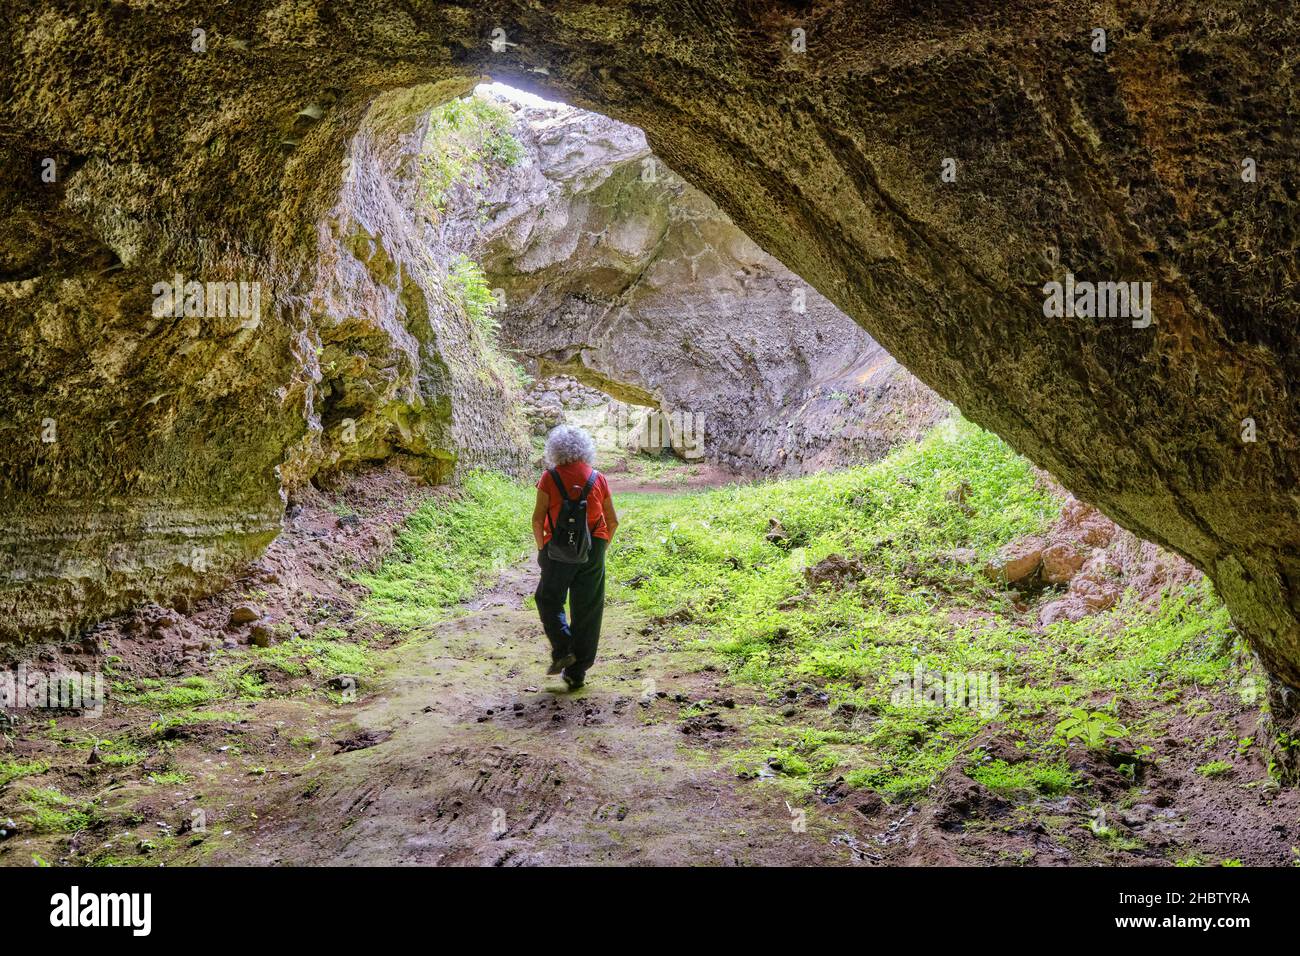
(469, 755)
(460, 751)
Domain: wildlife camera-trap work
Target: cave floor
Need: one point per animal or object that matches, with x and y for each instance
(469, 755)
(462, 753)
(457, 750)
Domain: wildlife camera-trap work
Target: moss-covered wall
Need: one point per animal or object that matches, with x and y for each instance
(1117, 165)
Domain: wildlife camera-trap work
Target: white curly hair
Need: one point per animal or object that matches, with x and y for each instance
(569, 443)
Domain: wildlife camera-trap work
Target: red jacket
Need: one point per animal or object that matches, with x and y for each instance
(574, 475)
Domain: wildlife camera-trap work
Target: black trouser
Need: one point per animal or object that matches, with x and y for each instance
(584, 586)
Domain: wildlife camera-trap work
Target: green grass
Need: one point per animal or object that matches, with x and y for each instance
(46, 810)
(703, 562)
(1050, 778)
(126, 758)
(706, 553)
(1215, 768)
(169, 777)
(11, 770)
(189, 692)
(448, 549)
(191, 717)
(325, 653)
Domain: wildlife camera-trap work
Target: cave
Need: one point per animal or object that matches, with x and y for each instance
(946, 178)
(222, 151)
(607, 268)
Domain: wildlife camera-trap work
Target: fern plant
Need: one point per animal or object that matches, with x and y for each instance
(468, 285)
(1094, 728)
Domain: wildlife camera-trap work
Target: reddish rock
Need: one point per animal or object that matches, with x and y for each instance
(1061, 562)
(1066, 609)
(244, 614)
(1085, 524)
(1017, 561)
(1098, 594)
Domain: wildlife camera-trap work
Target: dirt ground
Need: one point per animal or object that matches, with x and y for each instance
(469, 755)
(459, 750)
(687, 478)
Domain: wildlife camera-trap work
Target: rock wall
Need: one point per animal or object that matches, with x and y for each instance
(614, 270)
(403, 371)
(152, 454)
(547, 402)
(1169, 156)
(1088, 563)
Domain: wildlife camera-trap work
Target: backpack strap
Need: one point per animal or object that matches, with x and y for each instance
(591, 480)
(555, 477)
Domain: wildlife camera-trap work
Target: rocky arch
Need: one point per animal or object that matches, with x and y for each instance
(1122, 165)
(609, 268)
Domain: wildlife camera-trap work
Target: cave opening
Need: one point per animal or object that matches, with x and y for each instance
(587, 263)
(296, 523)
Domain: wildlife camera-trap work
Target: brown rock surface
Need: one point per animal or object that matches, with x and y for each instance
(1061, 562)
(1018, 561)
(616, 271)
(1117, 166)
(1094, 559)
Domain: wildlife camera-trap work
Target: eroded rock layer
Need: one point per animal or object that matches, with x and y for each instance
(1128, 164)
(166, 413)
(614, 270)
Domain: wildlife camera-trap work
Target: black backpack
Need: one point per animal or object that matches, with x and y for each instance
(570, 537)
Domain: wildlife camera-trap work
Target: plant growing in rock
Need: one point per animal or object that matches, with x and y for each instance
(468, 286)
(1215, 768)
(468, 139)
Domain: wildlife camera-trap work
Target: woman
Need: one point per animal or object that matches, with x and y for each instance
(570, 454)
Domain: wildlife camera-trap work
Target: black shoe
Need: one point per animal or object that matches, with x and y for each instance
(560, 663)
(573, 683)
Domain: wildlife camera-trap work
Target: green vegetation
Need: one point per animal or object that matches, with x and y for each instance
(1029, 778)
(468, 286)
(325, 653)
(450, 547)
(155, 694)
(189, 718)
(469, 140)
(663, 469)
(468, 145)
(1215, 768)
(873, 658)
(1093, 729)
(11, 770)
(126, 758)
(169, 778)
(46, 810)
